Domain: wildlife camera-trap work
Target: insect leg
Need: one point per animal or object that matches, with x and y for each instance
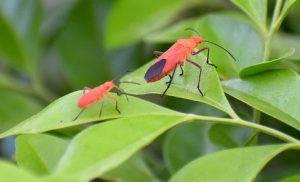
(116, 100)
(179, 74)
(200, 71)
(207, 56)
(117, 107)
(121, 91)
(157, 53)
(181, 70)
(171, 79)
(78, 114)
(101, 108)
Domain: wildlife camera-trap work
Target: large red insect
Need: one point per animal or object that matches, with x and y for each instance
(91, 96)
(175, 56)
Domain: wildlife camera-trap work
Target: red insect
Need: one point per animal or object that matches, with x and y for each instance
(175, 56)
(91, 96)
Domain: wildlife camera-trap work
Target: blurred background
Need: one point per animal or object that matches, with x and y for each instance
(49, 48)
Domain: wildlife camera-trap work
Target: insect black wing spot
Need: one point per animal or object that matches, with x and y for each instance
(155, 70)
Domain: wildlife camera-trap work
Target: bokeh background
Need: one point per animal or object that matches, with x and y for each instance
(49, 48)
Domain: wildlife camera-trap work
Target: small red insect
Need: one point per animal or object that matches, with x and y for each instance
(91, 96)
(175, 56)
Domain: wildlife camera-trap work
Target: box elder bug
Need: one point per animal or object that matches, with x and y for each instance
(175, 56)
(92, 95)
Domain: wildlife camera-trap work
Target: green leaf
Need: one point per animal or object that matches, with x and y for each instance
(106, 145)
(229, 136)
(265, 66)
(274, 92)
(10, 172)
(294, 178)
(255, 9)
(130, 20)
(228, 31)
(183, 86)
(39, 152)
(16, 108)
(60, 114)
(61, 178)
(188, 141)
(185, 143)
(19, 33)
(134, 169)
(288, 5)
(239, 164)
(80, 45)
(283, 43)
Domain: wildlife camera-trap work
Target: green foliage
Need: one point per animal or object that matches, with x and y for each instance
(130, 20)
(93, 162)
(86, 64)
(280, 83)
(48, 48)
(291, 179)
(134, 169)
(20, 23)
(256, 10)
(9, 172)
(240, 164)
(34, 155)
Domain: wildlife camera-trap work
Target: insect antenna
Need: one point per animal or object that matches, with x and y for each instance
(195, 31)
(118, 76)
(221, 48)
(121, 91)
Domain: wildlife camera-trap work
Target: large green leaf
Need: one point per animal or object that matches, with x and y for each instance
(80, 44)
(188, 141)
(183, 86)
(130, 20)
(255, 9)
(229, 136)
(15, 107)
(106, 145)
(274, 92)
(134, 169)
(240, 164)
(60, 114)
(19, 33)
(185, 143)
(228, 31)
(10, 172)
(39, 152)
(265, 66)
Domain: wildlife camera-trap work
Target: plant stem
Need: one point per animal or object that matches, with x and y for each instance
(256, 115)
(273, 27)
(264, 129)
(256, 118)
(233, 115)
